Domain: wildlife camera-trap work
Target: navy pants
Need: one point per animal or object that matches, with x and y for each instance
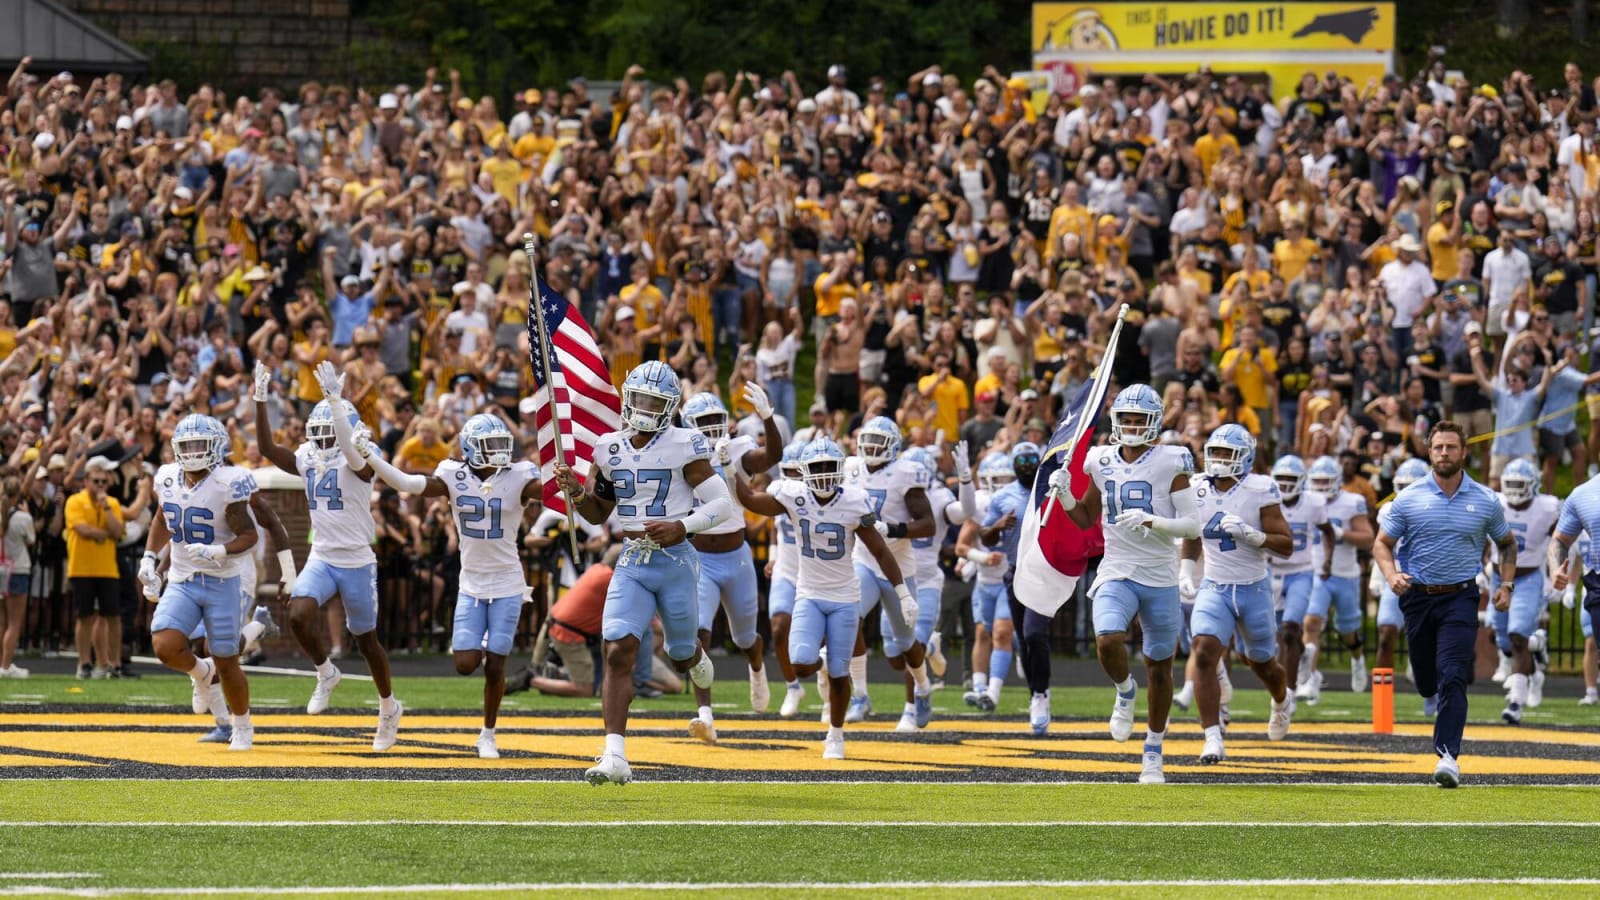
(1032, 641)
(1442, 632)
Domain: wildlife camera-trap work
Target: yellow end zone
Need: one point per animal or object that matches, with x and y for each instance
(131, 743)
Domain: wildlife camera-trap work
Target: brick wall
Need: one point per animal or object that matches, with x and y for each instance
(237, 44)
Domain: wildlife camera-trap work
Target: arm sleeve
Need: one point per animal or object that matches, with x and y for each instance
(969, 501)
(345, 434)
(400, 481)
(715, 505)
(1186, 524)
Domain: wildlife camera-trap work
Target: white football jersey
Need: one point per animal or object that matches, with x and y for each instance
(785, 545)
(886, 487)
(988, 574)
(1306, 518)
(488, 515)
(340, 503)
(925, 550)
(198, 514)
(1144, 484)
(1229, 560)
(1531, 527)
(1343, 508)
(649, 481)
(737, 448)
(827, 535)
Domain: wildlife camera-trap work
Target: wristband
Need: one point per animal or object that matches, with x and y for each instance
(896, 529)
(286, 570)
(977, 556)
(696, 522)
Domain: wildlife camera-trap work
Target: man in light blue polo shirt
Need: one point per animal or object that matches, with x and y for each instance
(1580, 513)
(1444, 520)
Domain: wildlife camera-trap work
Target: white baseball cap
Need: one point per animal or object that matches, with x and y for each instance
(388, 101)
(124, 123)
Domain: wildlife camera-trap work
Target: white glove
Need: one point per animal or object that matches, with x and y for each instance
(363, 445)
(149, 577)
(1061, 486)
(1186, 583)
(1569, 598)
(330, 379)
(882, 527)
(1338, 533)
(1131, 520)
(1483, 581)
(756, 396)
(1241, 530)
(723, 457)
(908, 605)
(263, 382)
(212, 554)
(963, 462)
(967, 569)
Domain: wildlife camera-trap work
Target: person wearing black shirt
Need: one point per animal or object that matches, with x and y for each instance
(1211, 252)
(1193, 370)
(1559, 284)
(1473, 408)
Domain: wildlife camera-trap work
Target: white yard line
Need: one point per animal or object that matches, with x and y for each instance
(47, 876)
(782, 885)
(772, 823)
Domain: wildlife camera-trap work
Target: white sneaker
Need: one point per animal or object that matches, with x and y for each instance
(860, 708)
(1448, 772)
(833, 748)
(702, 674)
(1503, 671)
(1039, 713)
(1302, 690)
(1183, 698)
(1313, 698)
(1213, 752)
(244, 737)
(1278, 723)
(102, 672)
(1512, 714)
(1359, 679)
(701, 730)
(760, 692)
(792, 698)
(1122, 714)
(827, 711)
(1590, 698)
(388, 728)
(198, 700)
(486, 746)
(609, 768)
(936, 661)
(13, 671)
(1225, 683)
(1535, 690)
(907, 723)
(1151, 772)
(323, 693)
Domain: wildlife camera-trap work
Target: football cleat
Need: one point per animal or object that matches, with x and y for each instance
(1359, 680)
(244, 737)
(609, 768)
(388, 729)
(701, 730)
(1278, 723)
(323, 692)
(1315, 694)
(760, 692)
(1122, 714)
(221, 734)
(1447, 774)
(1039, 713)
(1183, 698)
(833, 748)
(1151, 772)
(1503, 671)
(923, 707)
(1535, 689)
(1213, 752)
(791, 701)
(860, 708)
(936, 661)
(1512, 714)
(907, 723)
(486, 746)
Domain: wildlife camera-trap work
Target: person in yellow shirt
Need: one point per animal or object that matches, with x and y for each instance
(648, 305)
(948, 393)
(421, 453)
(832, 288)
(1444, 241)
(93, 527)
(1211, 146)
(534, 147)
(1290, 254)
(505, 172)
(1253, 369)
(1071, 216)
(307, 355)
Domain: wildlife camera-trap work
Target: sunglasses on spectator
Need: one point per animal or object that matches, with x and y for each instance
(1541, 318)
(100, 482)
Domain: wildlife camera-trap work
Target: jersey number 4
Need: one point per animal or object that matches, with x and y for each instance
(189, 524)
(327, 487)
(628, 485)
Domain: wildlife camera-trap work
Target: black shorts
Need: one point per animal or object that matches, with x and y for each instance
(842, 392)
(97, 596)
(1551, 444)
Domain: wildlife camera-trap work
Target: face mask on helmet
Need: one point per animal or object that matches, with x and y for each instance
(711, 423)
(1135, 428)
(495, 450)
(1289, 485)
(1223, 461)
(1518, 489)
(194, 453)
(647, 410)
(1323, 483)
(823, 476)
(876, 447)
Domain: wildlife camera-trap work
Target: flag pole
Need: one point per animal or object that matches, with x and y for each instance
(1101, 377)
(536, 313)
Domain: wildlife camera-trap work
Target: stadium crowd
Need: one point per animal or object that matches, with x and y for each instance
(1334, 266)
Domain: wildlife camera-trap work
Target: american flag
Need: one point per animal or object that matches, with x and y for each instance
(586, 404)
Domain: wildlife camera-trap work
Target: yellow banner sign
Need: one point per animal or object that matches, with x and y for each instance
(1187, 27)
